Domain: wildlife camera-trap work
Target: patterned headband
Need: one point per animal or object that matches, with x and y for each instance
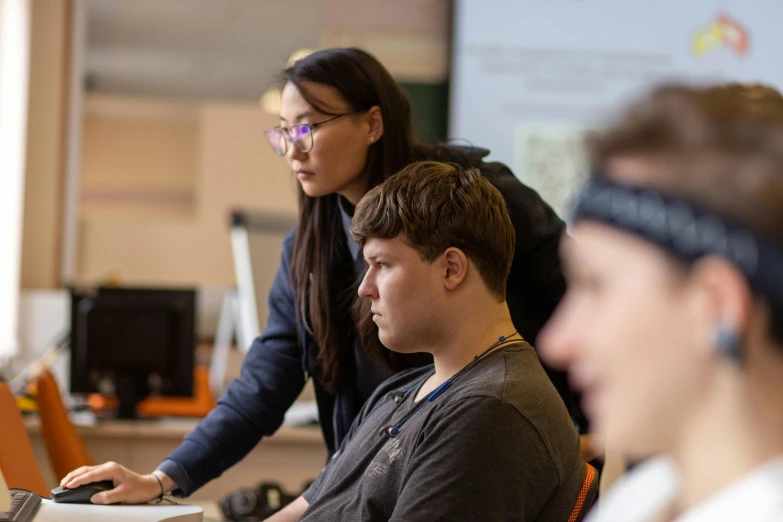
(686, 231)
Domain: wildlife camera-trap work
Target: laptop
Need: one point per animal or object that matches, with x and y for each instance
(17, 506)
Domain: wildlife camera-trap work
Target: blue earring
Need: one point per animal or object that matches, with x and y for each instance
(729, 344)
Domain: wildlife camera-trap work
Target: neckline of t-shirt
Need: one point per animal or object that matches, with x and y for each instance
(410, 401)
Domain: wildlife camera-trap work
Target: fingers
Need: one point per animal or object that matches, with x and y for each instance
(113, 496)
(87, 474)
(75, 473)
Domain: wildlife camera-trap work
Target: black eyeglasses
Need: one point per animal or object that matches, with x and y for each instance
(301, 136)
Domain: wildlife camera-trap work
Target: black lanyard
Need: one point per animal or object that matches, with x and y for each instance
(399, 395)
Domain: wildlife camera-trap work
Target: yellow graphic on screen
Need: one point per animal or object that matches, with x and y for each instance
(723, 31)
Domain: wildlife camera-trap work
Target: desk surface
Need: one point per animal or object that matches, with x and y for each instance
(52, 512)
(171, 428)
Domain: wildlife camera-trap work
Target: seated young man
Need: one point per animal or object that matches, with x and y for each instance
(479, 435)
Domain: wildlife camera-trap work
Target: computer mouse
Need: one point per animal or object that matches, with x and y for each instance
(81, 494)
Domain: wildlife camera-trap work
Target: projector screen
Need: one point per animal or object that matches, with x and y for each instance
(529, 76)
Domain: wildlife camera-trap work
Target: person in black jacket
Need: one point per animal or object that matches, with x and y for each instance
(345, 126)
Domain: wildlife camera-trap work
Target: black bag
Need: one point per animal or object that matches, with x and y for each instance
(251, 505)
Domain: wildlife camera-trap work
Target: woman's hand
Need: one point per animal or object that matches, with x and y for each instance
(129, 487)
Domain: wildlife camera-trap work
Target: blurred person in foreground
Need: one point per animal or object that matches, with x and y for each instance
(482, 433)
(673, 322)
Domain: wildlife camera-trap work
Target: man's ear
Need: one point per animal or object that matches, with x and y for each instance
(456, 264)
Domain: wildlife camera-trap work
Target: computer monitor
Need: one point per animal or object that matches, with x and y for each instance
(133, 342)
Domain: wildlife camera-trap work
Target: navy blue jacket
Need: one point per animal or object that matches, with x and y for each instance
(276, 367)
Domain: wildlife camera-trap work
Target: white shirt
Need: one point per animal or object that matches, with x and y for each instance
(645, 492)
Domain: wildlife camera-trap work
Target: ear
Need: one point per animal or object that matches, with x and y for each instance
(722, 295)
(456, 265)
(375, 120)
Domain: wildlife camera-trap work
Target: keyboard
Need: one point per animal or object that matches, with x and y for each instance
(24, 505)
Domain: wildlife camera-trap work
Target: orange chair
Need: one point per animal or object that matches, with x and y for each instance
(586, 494)
(64, 445)
(199, 405)
(17, 460)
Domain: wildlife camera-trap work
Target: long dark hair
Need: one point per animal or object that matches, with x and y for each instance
(321, 268)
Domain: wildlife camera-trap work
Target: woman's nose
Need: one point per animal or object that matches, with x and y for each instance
(292, 153)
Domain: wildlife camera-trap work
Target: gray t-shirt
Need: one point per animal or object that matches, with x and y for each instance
(498, 444)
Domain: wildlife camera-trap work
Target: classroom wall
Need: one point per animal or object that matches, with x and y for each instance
(229, 165)
(410, 37)
(140, 159)
(159, 213)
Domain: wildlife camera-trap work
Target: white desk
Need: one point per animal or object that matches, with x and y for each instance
(52, 512)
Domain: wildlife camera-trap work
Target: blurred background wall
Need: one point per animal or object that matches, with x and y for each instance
(170, 126)
(146, 117)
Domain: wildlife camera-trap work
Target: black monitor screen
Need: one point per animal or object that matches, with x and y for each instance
(129, 337)
(145, 333)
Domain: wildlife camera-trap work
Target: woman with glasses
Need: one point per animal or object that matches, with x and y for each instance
(345, 126)
(672, 325)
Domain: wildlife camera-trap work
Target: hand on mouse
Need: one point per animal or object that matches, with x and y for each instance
(129, 487)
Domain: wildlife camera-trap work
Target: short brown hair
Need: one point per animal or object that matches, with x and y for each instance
(434, 206)
(720, 147)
